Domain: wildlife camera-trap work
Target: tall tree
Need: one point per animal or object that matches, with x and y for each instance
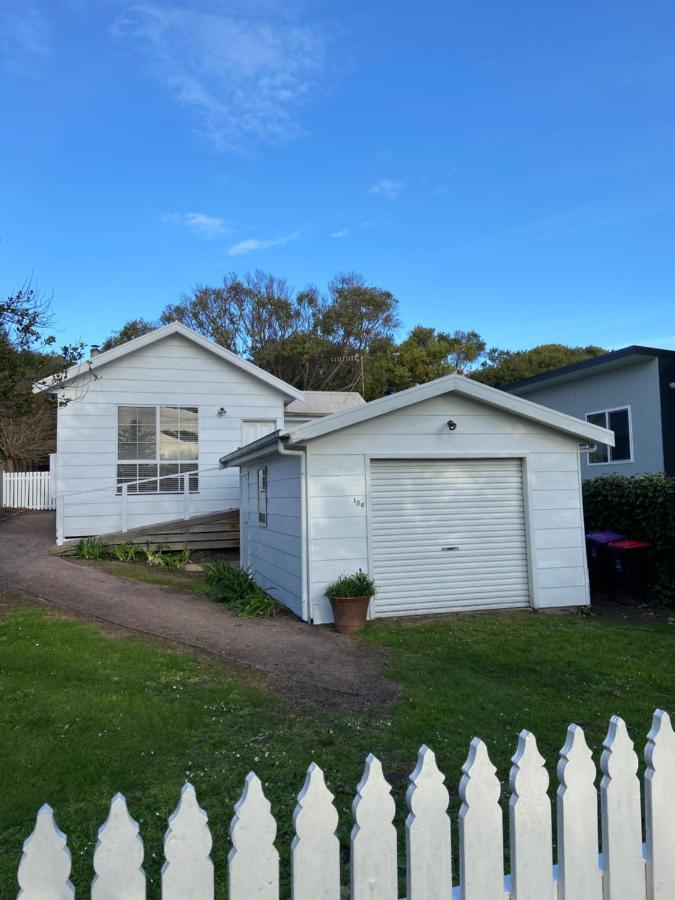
(28, 353)
(505, 366)
(309, 339)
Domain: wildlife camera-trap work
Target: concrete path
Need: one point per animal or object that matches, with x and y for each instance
(313, 666)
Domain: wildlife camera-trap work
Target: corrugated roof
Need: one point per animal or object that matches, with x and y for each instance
(324, 403)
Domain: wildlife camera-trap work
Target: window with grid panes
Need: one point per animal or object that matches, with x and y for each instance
(154, 444)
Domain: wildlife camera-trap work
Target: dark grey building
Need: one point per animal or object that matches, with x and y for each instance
(631, 392)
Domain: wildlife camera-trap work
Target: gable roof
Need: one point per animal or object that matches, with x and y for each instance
(324, 403)
(627, 356)
(146, 340)
(466, 387)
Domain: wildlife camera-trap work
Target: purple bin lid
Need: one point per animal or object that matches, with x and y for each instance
(604, 537)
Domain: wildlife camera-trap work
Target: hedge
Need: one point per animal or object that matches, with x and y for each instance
(643, 508)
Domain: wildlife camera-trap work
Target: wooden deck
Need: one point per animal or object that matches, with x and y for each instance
(215, 531)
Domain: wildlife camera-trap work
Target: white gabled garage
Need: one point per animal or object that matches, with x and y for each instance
(453, 495)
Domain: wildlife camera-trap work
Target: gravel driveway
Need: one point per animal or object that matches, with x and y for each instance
(311, 665)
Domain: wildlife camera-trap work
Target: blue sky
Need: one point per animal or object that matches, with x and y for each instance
(501, 166)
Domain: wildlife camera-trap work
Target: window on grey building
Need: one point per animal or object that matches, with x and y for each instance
(618, 421)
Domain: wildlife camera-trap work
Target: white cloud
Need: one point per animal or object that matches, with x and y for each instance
(252, 244)
(200, 224)
(243, 76)
(24, 35)
(343, 232)
(387, 188)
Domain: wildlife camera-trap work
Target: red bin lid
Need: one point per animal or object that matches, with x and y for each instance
(630, 545)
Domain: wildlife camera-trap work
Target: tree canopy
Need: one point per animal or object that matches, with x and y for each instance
(27, 354)
(505, 366)
(343, 338)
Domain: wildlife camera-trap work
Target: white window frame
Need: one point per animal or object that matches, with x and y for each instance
(609, 461)
(261, 476)
(157, 461)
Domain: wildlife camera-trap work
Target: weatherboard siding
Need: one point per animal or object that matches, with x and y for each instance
(635, 385)
(274, 552)
(338, 473)
(173, 371)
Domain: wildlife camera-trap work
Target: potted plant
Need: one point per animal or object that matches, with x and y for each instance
(350, 596)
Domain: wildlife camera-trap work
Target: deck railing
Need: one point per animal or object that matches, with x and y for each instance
(122, 490)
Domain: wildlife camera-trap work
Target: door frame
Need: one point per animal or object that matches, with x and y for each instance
(478, 454)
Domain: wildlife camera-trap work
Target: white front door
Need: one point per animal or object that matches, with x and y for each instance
(447, 535)
(252, 429)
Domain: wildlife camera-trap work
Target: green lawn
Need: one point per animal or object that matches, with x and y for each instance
(84, 714)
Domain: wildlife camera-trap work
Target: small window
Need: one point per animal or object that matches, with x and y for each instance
(262, 495)
(618, 421)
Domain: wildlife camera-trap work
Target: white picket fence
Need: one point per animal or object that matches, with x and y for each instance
(626, 869)
(27, 490)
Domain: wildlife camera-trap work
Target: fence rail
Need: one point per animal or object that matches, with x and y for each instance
(626, 869)
(27, 490)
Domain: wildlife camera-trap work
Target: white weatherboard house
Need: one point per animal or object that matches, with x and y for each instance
(161, 405)
(452, 495)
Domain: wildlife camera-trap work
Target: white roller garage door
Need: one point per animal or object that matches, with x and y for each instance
(447, 535)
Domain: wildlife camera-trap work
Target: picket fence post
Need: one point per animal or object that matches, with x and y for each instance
(580, 877)
(659, 806)
(428, 847)
(481, 830)
(531, 827)
(624, 869)
(315, 849)
(374, 868)
(188, 869)
(44, 870)
(253, 861)
(118, 857)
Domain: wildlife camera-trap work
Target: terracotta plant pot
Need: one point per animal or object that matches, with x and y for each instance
(350, 614)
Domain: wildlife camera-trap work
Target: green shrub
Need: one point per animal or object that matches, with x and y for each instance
(358, 585)
(125, 552)
(237, 588)
(91, 548)
(164, 559)
(643, 508)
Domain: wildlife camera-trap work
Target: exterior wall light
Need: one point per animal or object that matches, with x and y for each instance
(222, 411)
(452, 425)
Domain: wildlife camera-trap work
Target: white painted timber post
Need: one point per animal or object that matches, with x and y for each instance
(188, 870)
(580, 877)
(125, 508)
(428, 848)
(53, 476)
(660, 808)
(374, 868)
(253, 861)
(481, 829)
(44, 870)
(315, 850)
(118, 857)
(530, 824)
(186, 496)
(624, 868)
